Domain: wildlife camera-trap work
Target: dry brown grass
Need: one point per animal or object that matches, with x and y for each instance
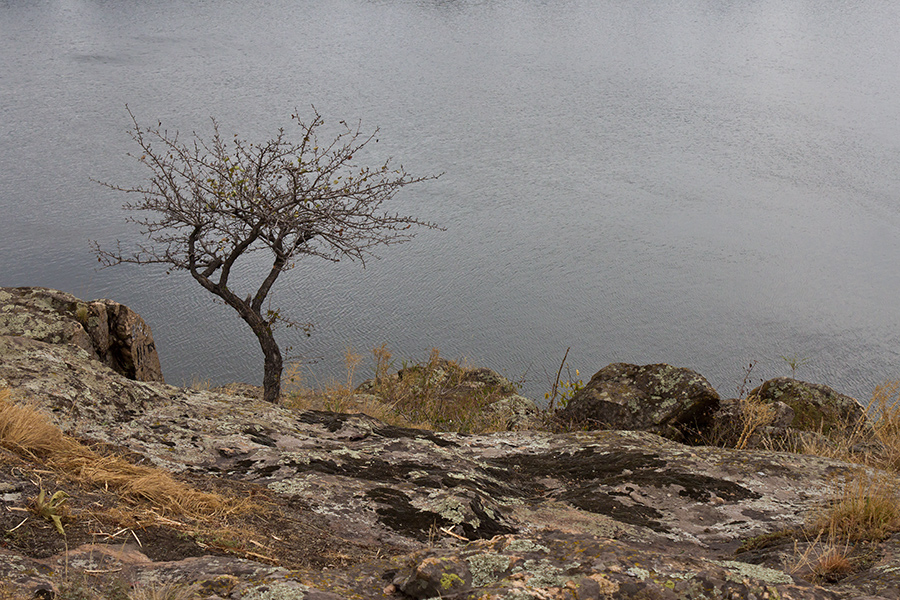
(164, 591)
(874, 442)
(748, 415)
(339, 396)
(8, 592)
(823, 560)
(885, 405)
(865, 509)
(28, 432)
(833, 565)
(754, 413)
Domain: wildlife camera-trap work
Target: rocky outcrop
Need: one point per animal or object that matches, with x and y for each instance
(631, 505)
(674, 402)
(108, 331)
(407, 513)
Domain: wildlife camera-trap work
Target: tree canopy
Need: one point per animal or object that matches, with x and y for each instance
(210, 202)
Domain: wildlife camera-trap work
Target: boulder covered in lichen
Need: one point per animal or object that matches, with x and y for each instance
(816, 407)
(674, 402)
(108, 331)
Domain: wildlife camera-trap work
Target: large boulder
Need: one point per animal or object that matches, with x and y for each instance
(816, 407)
(676, 403)
(787, 414)
(486, 401)
(108, 331)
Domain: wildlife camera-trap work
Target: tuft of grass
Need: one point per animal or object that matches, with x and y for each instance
(199, 384)
(750, 414)
(26, 431)
(866, 509)
(165, 591)
(822, 561)
(833, 565)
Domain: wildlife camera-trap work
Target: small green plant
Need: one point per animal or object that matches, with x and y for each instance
(567, 388)
(81, 314)
(76, 590)
(51, 508)
(564, 390)
(794, 362)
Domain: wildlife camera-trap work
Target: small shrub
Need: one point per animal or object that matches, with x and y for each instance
(753, 414)
(437, 392)
(564, 389)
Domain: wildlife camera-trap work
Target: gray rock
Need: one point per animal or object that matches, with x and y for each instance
(673, 402)
(728, 424)
(816, 407)
(108, 331)
(516, 412)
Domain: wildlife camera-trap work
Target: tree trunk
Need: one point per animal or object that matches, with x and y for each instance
(272, 367)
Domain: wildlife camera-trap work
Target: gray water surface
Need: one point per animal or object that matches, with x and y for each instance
(703, 183)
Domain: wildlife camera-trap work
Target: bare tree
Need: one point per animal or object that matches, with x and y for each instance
(211, 202)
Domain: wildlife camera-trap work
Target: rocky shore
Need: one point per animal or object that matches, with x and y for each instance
(619, 498)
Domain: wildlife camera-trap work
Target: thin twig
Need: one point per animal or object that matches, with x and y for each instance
(95, 571)
(456, 535)
(19, 525)
(556, 383)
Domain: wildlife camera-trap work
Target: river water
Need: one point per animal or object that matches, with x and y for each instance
(703, 183)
